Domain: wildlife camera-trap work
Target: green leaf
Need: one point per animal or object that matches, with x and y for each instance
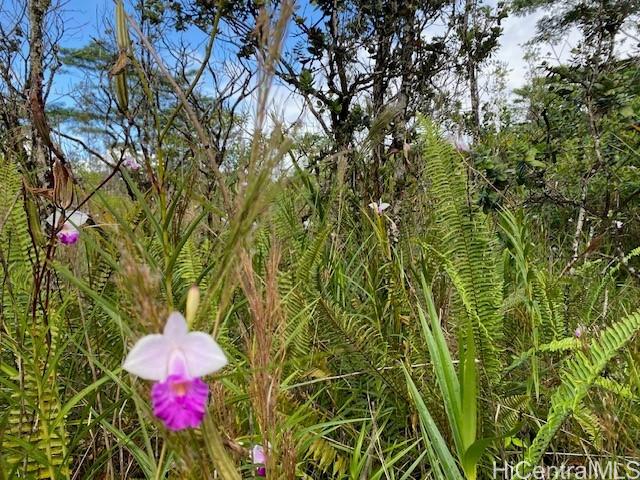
(443, 456)
(443, 366)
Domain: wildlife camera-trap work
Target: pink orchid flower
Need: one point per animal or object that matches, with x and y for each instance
(460, 143)
(579, 331)
(379, 207)
(69, 233)
(176, 360)
(130, 162)
(259, 459)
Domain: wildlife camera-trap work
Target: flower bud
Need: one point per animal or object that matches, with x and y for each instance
(193, 300)
(62, 185)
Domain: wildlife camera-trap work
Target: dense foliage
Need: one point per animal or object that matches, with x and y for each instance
(393, 303)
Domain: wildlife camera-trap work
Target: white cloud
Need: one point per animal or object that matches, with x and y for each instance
(517, 32)
(287, 105)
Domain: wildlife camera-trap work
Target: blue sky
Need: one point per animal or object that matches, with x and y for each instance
(84, 18)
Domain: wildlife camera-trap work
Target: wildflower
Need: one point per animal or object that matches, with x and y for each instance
(176, 360)
(379, 207)
(579, 331)
(259, 459)
(618, 224)
(460, 143)
(306, 224)
(130, 162)
(69, 233)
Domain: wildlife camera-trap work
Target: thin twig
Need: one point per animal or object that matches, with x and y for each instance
(193, 117)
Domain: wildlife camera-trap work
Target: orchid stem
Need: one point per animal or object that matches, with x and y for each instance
(221, 460)
(159, 468)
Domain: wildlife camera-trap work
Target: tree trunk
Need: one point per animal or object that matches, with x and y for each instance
(469, 21)
(37, 12)
(474, 93)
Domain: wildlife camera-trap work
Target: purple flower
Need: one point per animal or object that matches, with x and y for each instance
(175, 360)
(180, 402)
(69, 233)
(259, 459)
(579, 331)
(130, 162)
(68, 236)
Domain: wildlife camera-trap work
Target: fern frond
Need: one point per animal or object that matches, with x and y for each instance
(188, 267)
(512, 410)
(34, 402)
(549, 308)
(299, 314)
(590, 424)
(562, 345)
(606, 279)
(623, 391)
(581, 372)
(469, 248)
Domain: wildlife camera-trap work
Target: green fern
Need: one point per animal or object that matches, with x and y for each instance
(590, 424)
(467, 249)
(562, 345)
(32, 342)
(612, 386)
(549, 307)
(187, 268)
(581, 372)
(353, 336)
(33, 417)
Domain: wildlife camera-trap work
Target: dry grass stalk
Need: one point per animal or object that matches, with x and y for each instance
(266, 354)
(142, 287)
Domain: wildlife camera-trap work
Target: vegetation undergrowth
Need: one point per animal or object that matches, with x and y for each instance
(421, 316)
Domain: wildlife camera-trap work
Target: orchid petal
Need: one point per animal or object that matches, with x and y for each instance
(177, 364)
(68, 227)
(203, 355)
(149, 357)
(373, 206)
(77, 219)
(68, 235)
(383, 206)
(257, 454)
(181, 407)
(54, 218)
(176, 327)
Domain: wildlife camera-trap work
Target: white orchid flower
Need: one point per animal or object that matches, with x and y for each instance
(176, 351)
(70, 231)
(379, 207)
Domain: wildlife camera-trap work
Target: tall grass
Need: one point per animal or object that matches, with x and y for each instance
(361, 344)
